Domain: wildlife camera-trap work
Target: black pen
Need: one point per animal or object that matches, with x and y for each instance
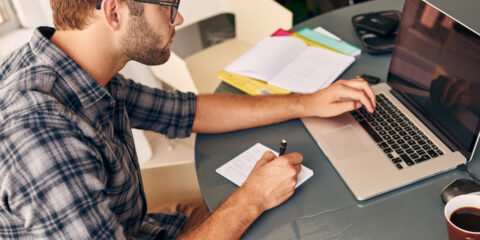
(283, 147)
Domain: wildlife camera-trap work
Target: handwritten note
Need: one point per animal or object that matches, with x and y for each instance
(238, 169)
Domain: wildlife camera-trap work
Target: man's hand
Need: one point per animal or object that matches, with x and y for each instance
(229, 112)
(272, 180)
(342, 96)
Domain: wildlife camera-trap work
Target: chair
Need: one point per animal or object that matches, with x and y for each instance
(254, 19)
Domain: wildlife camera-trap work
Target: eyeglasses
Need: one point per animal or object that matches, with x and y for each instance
(173, 6)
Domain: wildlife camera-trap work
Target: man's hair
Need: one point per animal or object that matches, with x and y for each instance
(77, 14)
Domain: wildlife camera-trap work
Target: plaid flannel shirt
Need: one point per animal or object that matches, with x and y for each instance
(68, 167)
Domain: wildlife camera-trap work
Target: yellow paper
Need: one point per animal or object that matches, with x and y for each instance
(249, 85)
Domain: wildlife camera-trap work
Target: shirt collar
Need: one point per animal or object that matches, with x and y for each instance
(90, 97)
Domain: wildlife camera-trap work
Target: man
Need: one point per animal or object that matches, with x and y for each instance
(68, 164)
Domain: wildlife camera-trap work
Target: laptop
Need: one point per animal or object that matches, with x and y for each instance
(427, 116)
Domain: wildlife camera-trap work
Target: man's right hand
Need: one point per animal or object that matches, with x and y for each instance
(272, 180)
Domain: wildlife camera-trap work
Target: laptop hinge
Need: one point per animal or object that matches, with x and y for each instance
(433, 128)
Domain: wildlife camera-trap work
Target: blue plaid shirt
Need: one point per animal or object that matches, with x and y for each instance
(68, 167)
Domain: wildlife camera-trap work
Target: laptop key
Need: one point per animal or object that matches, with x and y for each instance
(426, 147)
(397, 160)
(370, 131)
(407, 159)
(423, 158)
(432, 153)
(399, 166)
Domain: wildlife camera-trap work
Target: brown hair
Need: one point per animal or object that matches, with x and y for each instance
(76, 14)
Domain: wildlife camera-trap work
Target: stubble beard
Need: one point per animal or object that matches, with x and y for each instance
(141, 43)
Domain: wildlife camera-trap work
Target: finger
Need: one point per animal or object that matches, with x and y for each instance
(294, 158)
(347, 106)
(266, 158)
(362, 84)
(298, 168)
(356, 94)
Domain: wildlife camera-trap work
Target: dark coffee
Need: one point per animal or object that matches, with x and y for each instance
(467, 218)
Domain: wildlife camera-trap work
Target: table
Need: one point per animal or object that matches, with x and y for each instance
(323, 207)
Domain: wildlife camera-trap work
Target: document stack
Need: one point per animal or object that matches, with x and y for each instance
(303, 62)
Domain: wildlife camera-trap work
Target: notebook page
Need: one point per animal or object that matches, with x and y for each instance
(267, 57)
(314, 69)
(238, 169)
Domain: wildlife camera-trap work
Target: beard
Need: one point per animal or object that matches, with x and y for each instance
(141, 43)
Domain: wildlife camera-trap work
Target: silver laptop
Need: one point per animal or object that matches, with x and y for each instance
(427, 117)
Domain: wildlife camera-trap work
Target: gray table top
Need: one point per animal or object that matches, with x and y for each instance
(323, 207)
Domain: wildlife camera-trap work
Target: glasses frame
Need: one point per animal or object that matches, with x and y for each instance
(172, 4)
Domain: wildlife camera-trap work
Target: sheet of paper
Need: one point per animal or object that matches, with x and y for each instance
(315, 68)
(327, 33)
(267, 57)
(238, 169)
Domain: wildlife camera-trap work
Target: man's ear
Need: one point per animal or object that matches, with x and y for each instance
(113, 14)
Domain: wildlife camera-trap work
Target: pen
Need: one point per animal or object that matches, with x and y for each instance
(283, 147)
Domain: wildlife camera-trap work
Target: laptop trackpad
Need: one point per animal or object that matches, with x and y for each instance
(344, 142)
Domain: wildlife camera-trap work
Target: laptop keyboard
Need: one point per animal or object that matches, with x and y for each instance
(403, 143)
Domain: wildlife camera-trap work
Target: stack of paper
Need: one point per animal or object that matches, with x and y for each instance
(303, 62)
(288, 62)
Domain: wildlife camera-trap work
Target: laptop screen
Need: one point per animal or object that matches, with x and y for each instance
(436, 67)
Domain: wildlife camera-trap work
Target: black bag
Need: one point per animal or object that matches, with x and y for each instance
(377, 30)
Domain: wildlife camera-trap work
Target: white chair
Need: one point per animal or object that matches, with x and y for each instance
(254, 19)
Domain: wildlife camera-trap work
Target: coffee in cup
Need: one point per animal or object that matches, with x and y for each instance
(462, 215)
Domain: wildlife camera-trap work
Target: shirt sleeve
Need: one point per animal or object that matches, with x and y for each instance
(52, 186)
(170, 113)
